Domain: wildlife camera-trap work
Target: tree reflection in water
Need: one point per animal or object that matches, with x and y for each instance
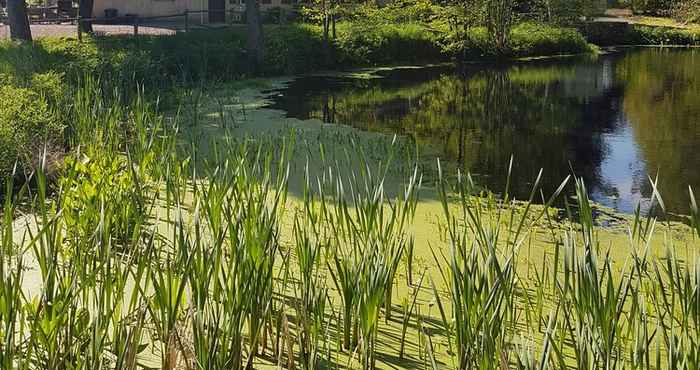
(614, 120)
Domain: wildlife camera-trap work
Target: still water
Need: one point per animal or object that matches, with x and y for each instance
(615, 120)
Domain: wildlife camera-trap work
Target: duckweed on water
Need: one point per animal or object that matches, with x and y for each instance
(219, 263)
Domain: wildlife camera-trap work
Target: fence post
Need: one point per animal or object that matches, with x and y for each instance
(80, 30)
(187, 21)
(136, 26)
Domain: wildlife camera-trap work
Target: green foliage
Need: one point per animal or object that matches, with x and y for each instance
(531, 39)
(658, 7)
(526, 39)
(95, 185)
(294, 49)
(687, 11)
(50, 85)
(645, 35)
(364, 43)
(27, 126)
(561, 12)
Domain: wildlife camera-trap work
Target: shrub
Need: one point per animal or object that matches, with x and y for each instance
(294, 49)
(27, 125)
(70, 56)
(644, 35)
(687, 11)
(658, 7)
(50, 85)
(526, 39)
(363, 43)
(101, 184)
(529, 39)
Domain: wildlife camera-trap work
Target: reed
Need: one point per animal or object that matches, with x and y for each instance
(11, 275)
(146, 256)
(311, 292)
(369, 240)
(484, 241)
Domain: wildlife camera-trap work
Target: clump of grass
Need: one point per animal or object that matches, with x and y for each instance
(312, 292)
(369, 242)
(590, 299)
(485, 238)
(12, 317)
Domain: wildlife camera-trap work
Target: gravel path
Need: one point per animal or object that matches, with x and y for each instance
(70, 30)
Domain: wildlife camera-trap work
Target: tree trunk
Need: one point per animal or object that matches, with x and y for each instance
(255, 36)
(85, 11)
(333, 19)
(19, 22)
(499, 19)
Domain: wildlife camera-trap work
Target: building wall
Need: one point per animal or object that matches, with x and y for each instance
(152, 8)
(149, 8)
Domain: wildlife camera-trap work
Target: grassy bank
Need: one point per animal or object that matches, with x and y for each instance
(635, 34)
(526, 40)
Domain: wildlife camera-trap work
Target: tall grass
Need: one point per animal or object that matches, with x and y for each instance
(142, 256)
(369, 240)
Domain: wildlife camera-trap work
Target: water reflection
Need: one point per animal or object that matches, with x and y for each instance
(614, 120)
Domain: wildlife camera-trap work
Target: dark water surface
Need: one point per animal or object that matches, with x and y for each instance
(615, 120)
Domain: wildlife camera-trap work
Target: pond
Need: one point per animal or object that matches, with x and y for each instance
(615, 120)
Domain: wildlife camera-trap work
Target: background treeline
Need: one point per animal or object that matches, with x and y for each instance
(683, 10)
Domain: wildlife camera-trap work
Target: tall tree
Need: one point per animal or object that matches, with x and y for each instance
(255, 36)
(499, 19)
(85, 11)
(19, 22)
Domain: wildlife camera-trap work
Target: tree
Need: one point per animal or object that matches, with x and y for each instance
(562, 12)
(499, 19)
(687, 11)
(19, 22)
(85, 11)
(254, 36)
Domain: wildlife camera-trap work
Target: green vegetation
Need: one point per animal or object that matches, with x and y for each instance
(46, 72)
(220, 263)
(683, 10)
(645, 35)
(27, 123)
(134, 241)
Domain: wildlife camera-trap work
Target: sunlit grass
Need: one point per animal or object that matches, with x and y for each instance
(191, 265)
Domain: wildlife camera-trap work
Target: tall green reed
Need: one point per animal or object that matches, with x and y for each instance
(485, 235)
(310, 241)
(12, 315)
(370, 236)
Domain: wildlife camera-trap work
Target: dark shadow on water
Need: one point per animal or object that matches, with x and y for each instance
(597, 116)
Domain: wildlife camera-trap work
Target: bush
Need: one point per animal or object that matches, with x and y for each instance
(559, 12)
(644, 35)
(526, 39)
(27, 126)
(50, 85)
(656, 7)
(96, 185)
(364, 43)
(294, 49)
(687, 11)
(530, 39)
